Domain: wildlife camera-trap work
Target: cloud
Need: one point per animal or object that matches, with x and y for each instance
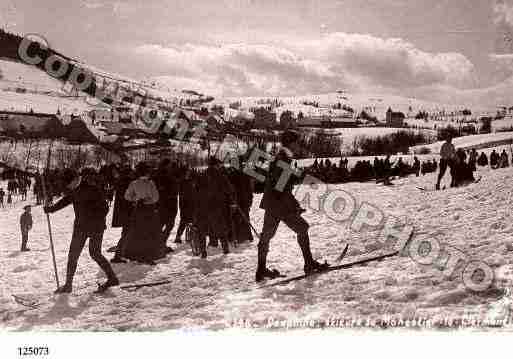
(503, 11)
(244, 69)
(124, 10)
(393, 62)
(91, 4)
(337, 61)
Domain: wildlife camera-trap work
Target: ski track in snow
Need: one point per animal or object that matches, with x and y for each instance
(211, 293)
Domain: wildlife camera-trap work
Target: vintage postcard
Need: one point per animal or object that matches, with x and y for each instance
(172, 170)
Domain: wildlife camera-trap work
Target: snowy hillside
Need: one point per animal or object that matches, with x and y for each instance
(374, 104)
(212, 293)
(488, 140)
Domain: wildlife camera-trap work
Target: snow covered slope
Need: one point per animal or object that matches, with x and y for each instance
(488, 140)
(212, 293)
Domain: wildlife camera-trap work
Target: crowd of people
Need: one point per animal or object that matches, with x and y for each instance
(213, 203)
(380, 169)
(17, 187)
(462, 165)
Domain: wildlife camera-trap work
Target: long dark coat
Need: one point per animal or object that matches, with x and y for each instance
(122, 208)
(215, 194)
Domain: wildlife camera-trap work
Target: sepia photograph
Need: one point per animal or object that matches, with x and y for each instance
(187, 177)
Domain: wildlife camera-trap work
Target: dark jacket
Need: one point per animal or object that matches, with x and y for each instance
(90, 206)
(243, 185)
(122, 208)
(167, 185)
(279, 203)
(212, 208)
(25, 221)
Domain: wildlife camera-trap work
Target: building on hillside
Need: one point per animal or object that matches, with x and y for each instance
(264, 117)
(394, 119)
(342, 120)
(242, 119)
(13, 121)
(101, 115)
(328, 121)
(311, 121)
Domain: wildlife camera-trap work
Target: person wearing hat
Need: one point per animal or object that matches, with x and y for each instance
(448, 158)
(90, 206)
(166, 180)
(144, 237)
(280, 205)
(25, 226)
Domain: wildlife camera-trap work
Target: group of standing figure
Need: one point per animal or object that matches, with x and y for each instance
(216, 201)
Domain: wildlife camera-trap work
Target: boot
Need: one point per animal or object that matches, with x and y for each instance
(264, 273)
(66, 288)
(311, 265)
(226, 248)
(315, 267)
(111, 282)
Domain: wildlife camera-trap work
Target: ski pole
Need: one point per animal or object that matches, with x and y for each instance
(45, 194)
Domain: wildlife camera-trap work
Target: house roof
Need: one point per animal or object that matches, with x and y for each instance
(37, 114)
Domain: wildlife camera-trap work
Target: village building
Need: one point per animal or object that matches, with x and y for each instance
(264, 117)
(13, 121)
(394, 119)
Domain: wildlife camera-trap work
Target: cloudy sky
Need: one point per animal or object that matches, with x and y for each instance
(460, 50)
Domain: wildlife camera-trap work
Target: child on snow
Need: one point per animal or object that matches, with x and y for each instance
(26, 226)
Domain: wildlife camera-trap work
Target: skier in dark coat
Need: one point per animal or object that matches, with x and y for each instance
(494, 159)
(167, 185)
(483, 160)
(416, 166)
(25, 227)
(90, 206)
(244, 186)
(215, 199)
(122, 209)
(280, 205)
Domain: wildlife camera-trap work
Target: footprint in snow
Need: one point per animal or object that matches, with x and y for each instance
(24, 268)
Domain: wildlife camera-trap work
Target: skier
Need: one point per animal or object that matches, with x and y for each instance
(494, 160)
(504, 161)
(90, 206)
(166, 182)
(482, 160)
(447, 159)
(216, 197)
(244, 187)
(122, 210)
(473, 160)
(280, 205)
(2, 195)
(25, 226)
(416, 166)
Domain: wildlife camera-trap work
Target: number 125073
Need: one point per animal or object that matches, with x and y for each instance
(33, 351)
